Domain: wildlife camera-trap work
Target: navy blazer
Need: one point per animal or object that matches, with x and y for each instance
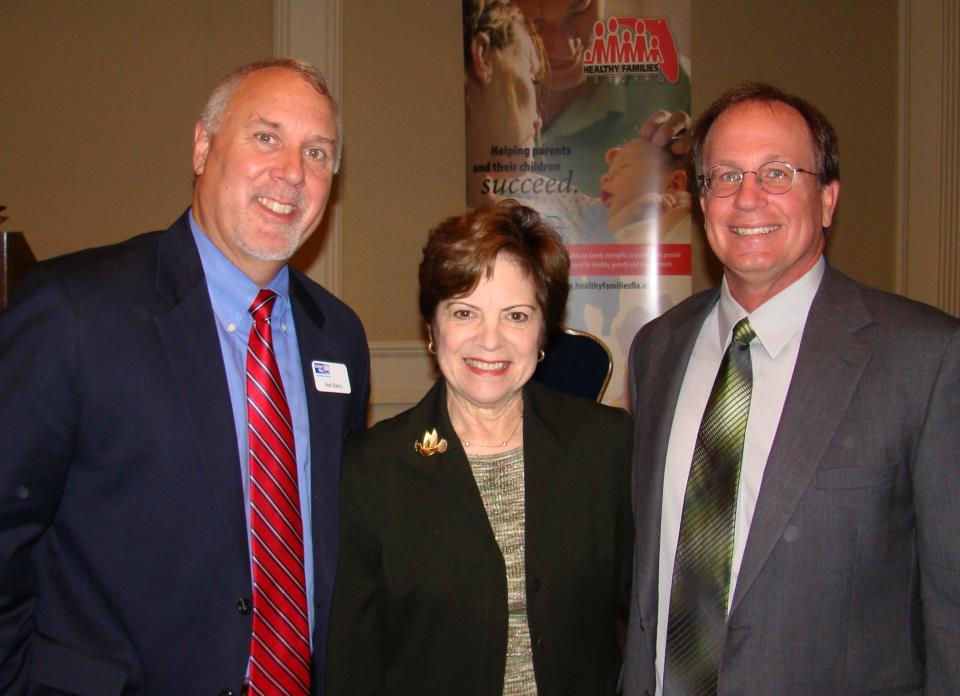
(124, 562)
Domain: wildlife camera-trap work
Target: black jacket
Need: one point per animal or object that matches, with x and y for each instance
(420, 599)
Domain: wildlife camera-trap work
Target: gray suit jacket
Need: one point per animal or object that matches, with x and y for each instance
(850, 580)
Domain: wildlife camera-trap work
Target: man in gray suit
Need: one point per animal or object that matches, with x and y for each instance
(796, 487)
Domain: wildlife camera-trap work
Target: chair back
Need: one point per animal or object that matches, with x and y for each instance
(577, 363)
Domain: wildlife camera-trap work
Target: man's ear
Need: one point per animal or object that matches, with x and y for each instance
(201, 147)
(481, 59)
(828, 203)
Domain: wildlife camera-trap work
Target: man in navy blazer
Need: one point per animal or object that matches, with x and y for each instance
(843, 572)
(124, 496)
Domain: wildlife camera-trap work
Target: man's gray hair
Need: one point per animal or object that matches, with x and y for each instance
(217, 104)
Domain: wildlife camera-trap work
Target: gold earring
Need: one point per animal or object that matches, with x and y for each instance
(541, 356)
(430, 348)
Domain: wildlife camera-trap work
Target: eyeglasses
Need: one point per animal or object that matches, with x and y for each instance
(773, 177)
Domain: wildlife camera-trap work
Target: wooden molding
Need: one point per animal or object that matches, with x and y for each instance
(928, 150)
(312, 30)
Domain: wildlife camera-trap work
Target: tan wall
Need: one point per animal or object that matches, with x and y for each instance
(99, 101)
(404, 153)
(842, 56)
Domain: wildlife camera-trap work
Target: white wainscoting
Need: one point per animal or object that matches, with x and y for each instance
(402, 372)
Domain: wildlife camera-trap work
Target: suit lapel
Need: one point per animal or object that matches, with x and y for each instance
(324, 480)
(544, 447)
(326, 414)
(829, 364)
(662, 372)
(543, 451)
(189, 336)
(450, 470)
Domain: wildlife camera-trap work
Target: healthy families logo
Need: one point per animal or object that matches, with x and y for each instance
(630, 46)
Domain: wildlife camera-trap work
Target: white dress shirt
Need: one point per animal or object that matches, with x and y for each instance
(778, 324)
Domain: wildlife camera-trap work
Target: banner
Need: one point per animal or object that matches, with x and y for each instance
(584, 115)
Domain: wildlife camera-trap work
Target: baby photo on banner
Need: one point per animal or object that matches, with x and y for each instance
(580, 109)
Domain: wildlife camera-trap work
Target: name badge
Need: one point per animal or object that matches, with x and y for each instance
(331, 377)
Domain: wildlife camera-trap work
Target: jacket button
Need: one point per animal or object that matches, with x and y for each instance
(228, 692)
(534, 585)
(244, 606)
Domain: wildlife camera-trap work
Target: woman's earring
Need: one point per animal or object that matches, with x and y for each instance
(432, 350)
(541, 355)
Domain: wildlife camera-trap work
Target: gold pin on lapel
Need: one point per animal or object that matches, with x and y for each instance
(431, 444)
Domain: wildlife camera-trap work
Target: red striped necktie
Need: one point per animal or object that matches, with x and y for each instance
(280, 647)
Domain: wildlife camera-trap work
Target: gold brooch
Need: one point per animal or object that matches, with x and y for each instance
(430, 445)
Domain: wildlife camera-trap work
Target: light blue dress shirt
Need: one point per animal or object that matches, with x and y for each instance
(231, 294)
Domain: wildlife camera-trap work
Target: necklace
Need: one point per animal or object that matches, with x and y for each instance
(498, 444)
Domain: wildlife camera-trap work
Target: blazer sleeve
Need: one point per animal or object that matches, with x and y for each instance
(936, 490)
(39, 404)
(354, 655)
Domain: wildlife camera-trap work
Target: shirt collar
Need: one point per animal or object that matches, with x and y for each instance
(778, 319)
(231, 290)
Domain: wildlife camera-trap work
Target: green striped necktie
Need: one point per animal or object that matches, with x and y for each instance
(701, 571)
